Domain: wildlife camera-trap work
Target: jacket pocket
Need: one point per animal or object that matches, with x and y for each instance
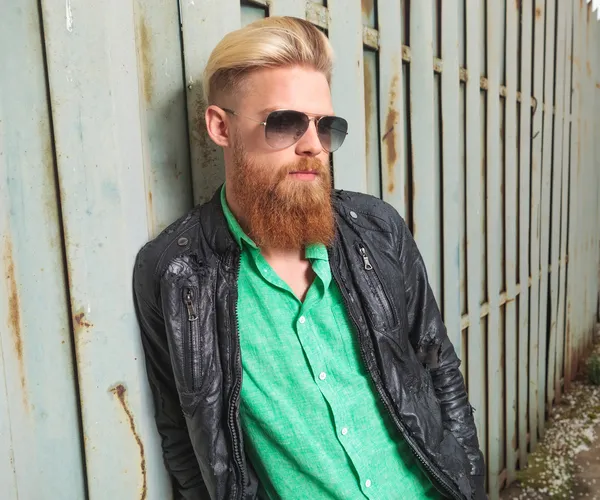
(191, 338)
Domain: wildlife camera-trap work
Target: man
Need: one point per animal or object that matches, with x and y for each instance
(293, 345)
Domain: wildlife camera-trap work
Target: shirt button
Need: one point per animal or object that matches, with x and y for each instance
(368, 483)
(344, 431)
(322, 375)
(302, 320)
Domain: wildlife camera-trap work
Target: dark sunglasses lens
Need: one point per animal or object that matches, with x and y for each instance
(332, 132)
(285, 128)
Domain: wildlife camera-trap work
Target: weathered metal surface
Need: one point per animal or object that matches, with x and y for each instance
(346, 36)
(96, 101)
(526, 355)
(546, 171)
(372, 124)
(474, 198)
(451, 171)
(536, 158)
(391, 105)
(203, 24)
(35, 342)
(163, 113)
(557, 169)
(495, 347)
(40, 444)
(561, 322)
(511, 230)
(425, 188)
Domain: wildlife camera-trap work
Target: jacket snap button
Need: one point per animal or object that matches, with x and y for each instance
(353, 215)
(182, 242)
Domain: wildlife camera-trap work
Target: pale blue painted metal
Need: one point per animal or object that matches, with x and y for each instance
(561, 322)
(527, 355)
(373, 159)
(392, 124)
(296, 8)
(451, 164)
(251, 13)
(510, 229)
(546, 170)
(203, 24)
(557, 177)
(536, 159)
(346, 37)
(495, 263)
(95, 100)
(163, 113)
(40, 443)
(426, 198)
(475, 243)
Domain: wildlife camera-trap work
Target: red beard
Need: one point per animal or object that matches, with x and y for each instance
(281, 212)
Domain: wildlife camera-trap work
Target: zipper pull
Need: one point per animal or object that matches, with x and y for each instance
(365, 257)
(192, 316)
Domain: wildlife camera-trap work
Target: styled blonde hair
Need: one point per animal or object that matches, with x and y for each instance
(273, 42)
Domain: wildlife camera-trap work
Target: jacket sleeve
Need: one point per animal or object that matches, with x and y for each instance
(434, 349)
(178, 453)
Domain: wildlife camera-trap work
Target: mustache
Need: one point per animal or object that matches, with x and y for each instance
(307, 165)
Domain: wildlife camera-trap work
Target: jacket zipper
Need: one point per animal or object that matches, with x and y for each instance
(376, 285)
(191, 351)
(400, 426)
(236, 391)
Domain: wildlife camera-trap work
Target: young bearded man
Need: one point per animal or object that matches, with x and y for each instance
(293, 345)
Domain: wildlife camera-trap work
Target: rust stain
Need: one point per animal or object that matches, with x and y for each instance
(14, 314)
(147, 66)
(80, 321)
(538, 12)
(589, 68)
(150, 203)
(119, 391)
(367, 7)
(518, 4)
(598, 85)
(368, 105)
(389, 138)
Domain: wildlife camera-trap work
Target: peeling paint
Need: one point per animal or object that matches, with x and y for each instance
(69, 15)
(119, 391)
(80, 321)
(14, 314)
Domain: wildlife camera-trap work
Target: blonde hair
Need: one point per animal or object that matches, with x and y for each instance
(273, 42)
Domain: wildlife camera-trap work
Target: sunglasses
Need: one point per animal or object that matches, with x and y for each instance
(286, 127)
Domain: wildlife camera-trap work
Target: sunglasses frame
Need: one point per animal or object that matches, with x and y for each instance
(315, 118)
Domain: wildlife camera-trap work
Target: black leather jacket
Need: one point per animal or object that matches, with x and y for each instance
(185, 286)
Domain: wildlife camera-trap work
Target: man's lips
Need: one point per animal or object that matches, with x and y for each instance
(305, 174)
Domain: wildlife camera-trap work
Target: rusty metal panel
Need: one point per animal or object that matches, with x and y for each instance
(163, 113)
(554, 222)
(40, 443)
(546, 171)
(511, 229)
(426, 197)
(572, 286)
(452, 166)
(96, 101)
(561, 320)
(295, 8)
(392, 124)
(474, 198)
(495, 375)
(527, 358)
(346, 36)
(203, 24)
(372, 124)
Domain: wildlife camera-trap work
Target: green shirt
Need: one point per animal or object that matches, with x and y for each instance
(313, 425)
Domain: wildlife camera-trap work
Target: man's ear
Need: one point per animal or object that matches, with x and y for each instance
(217, 126)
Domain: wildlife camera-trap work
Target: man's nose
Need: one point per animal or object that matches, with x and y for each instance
(309, 144)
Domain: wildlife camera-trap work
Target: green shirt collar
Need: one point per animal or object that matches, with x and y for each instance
(316, 251)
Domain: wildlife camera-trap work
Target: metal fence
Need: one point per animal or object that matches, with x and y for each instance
(477, 120)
